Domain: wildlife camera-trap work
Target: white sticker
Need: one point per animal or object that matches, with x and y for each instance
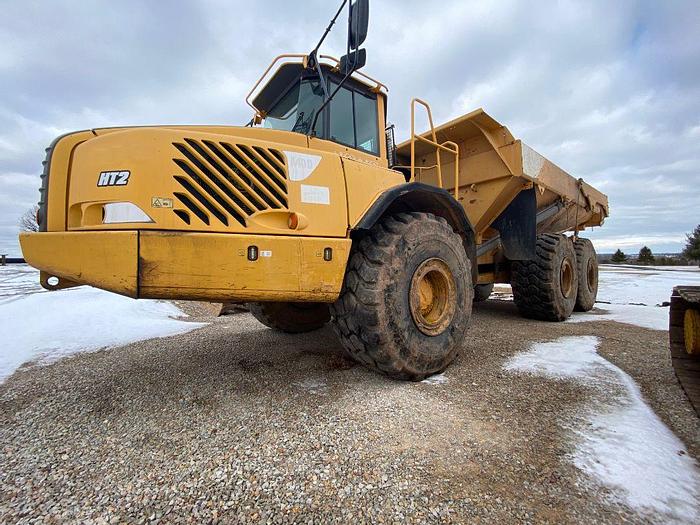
(265, 253)
(315, 194)
(301, 165)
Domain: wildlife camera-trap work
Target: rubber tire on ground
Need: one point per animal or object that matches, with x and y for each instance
(293, 318)
(537, 286)
(372, 316)
(587, 288)
(482, 292)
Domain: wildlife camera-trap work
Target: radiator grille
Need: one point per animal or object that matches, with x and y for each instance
(227, 182)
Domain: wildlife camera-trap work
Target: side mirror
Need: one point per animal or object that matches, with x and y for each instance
(353, 61)
(358, 23)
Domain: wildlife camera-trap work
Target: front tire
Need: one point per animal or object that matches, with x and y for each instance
(293, 318)
(407, 297)
(545, 287)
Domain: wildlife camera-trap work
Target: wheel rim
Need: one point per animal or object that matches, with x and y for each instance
(566, 278)
(691, 329)
(592, 276)
(432, 297)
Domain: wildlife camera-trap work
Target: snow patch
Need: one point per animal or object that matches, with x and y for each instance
(566, 357)
(437, 379)
(313, 386)
(44, 327)
(620, 441)
(630, 294)
(653, 317)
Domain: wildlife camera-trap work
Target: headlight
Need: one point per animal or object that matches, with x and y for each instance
(119, 212)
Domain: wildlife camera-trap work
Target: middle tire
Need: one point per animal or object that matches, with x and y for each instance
(406, 298)
(482, 292)
(545, 287)
(293, 318)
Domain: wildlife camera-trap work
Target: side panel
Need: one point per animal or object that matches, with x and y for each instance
(60, 158)
(365, 184)
(216, 267)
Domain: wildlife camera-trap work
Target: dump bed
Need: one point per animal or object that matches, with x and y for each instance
(494, 167)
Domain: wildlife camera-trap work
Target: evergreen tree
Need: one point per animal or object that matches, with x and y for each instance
(645, 256)
(618, 256)
(692, 245)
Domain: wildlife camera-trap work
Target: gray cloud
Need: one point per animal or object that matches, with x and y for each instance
(608, 90)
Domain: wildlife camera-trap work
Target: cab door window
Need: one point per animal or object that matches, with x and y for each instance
(342, 128)
(366, 123)
(353, 120)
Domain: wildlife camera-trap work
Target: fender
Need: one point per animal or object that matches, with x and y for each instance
(416, 196)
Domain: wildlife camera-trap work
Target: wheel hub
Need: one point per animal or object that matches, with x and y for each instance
(432, 297)
(592, 276)
(691, 329)
(566, 278)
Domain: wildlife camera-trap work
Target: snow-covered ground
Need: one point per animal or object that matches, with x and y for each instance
(619, 441)
(630, 294)
(44, 326)
(633, 294)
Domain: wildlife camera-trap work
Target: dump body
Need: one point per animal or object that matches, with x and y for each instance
(494, 168)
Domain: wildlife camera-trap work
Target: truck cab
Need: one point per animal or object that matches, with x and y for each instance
(295, 99)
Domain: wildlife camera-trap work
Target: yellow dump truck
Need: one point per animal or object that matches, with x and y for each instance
(311, 214)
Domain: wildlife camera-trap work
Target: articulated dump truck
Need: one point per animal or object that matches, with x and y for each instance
(311, 214)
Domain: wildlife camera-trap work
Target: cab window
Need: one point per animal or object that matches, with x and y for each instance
(353, 120)
(297, 108)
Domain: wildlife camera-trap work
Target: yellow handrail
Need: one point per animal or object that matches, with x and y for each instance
(438, 146)
(377, 88)
(277, 59)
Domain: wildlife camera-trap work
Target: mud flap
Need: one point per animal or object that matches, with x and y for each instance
(517, 226)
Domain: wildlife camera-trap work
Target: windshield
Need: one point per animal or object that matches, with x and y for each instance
(297, 108)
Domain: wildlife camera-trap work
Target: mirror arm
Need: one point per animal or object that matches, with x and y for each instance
(320, 75)
(328, 30)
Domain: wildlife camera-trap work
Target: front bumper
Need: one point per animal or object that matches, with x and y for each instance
(191, 266)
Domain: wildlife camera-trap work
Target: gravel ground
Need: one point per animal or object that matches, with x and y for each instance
(237, 423)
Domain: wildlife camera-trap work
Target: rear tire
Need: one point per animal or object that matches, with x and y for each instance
(587, 270)
(545, 287)
(482, 292)
(407, 297)
(293, 318)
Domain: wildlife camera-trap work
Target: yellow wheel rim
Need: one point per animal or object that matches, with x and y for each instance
(691, 331)
(592, 275)
(432, 297)
(567, 278)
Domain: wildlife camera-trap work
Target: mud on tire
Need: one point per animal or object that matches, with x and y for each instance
(293, 318)
(545, 287)
(381, 318)
(482, 292)
(587, 270)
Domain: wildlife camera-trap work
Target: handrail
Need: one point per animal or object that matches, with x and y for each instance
(277, 59)
(376, 88)
(438, 146)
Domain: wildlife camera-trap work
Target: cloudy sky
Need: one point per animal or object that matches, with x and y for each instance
(610, 91)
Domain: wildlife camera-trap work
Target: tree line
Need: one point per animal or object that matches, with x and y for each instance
(690, 254)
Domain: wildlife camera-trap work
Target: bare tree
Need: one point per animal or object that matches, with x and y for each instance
(27, 222)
